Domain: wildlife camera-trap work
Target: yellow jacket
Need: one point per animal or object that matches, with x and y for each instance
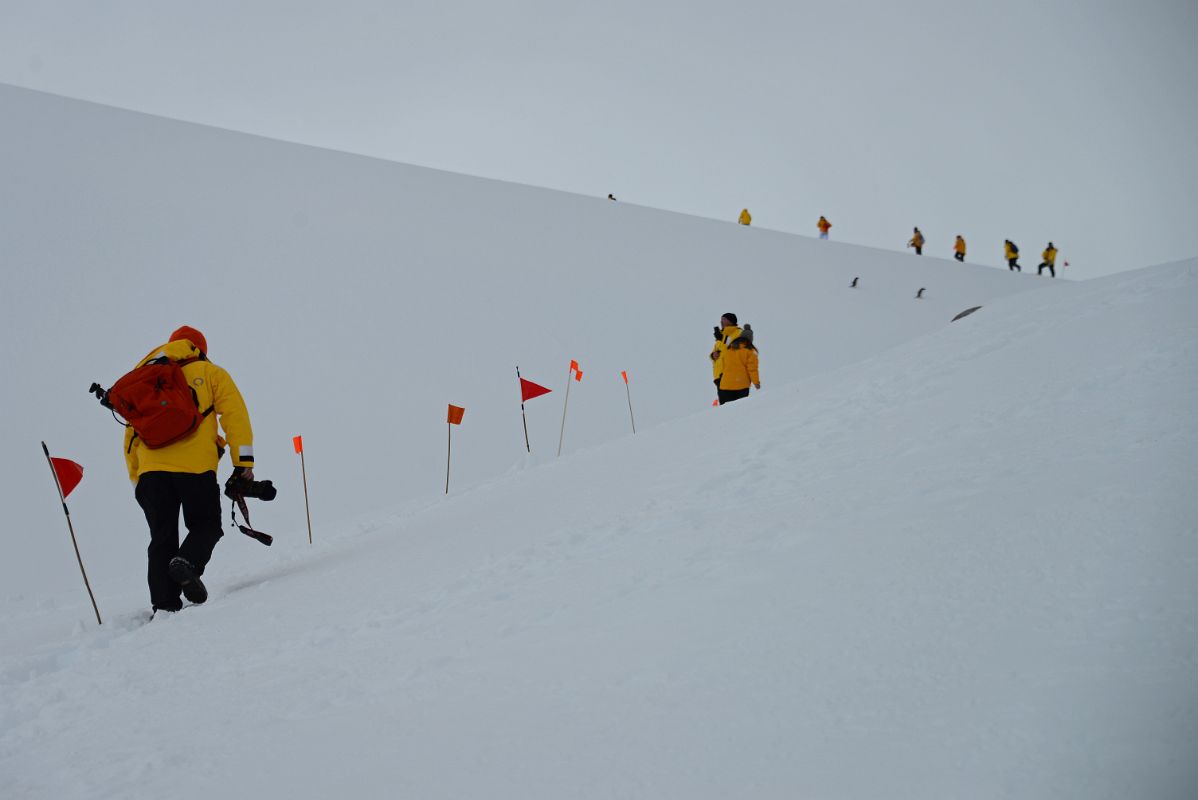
(745, 217)
(916, 240)
(823, 225)
(197, 453)
(717, 365)
(740, 369)
(959, 246)
(1010, 251)
(1050, 255)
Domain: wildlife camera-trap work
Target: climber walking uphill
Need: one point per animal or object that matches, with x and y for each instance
(959, 248)
(740, 368)
(725, 333)
(916, 241)
(1011, 253)
(1050, 260)
(824, 226)
(745, 217)
(172, 401)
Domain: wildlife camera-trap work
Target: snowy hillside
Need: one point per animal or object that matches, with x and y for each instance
(352, 299)
(928, 560)
(964, 568)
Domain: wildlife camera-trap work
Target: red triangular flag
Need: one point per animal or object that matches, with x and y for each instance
(455, 414)
(69, 474)
(529, 390)
(573, 365)
(624, 375)
(298, 443)
(578, 376)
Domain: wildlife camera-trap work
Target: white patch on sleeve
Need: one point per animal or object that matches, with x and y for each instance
(245, 451)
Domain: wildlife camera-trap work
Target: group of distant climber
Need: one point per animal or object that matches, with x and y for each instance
(917, 241)
(1010, 252)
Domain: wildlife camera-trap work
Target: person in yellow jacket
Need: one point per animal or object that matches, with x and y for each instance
(916, 241)
(1011, 253)
(725, 333)
(182, 475)
(959, 248)
(740, 368)
(1050, 260)
(824, 226)
(745, 217)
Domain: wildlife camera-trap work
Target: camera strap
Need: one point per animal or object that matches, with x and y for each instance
(239, 502)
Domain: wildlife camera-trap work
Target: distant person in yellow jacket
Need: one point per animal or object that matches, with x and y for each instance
(1050, 260)
(182, 475)
(959, 249)
(725, 333)
(916, 241)
(1011, 252)
(824, 226)
(745, 217)
(740, 368)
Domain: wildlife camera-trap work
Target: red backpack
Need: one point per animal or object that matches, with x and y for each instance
(157, 402)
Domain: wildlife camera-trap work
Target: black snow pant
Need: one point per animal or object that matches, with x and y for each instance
(1012, 266)
(959, 256)
(728, 395)
(1051, 270)
(161, 495)
(918, 249)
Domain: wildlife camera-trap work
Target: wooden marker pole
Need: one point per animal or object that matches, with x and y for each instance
(576, 374)
(71, 528)
(298, 441)
(523, 416)
(628, 391)
(454, 418)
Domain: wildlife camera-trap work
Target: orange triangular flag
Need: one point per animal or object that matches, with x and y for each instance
(455, 414)
(578, 376)
(624, 375)
(573, 365)
(298, 442)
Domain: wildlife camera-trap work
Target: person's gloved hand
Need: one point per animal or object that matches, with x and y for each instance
(719, 334)
(240, 475)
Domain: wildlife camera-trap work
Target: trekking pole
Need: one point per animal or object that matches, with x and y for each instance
(628, 391)
(298, 441)
(71, 528)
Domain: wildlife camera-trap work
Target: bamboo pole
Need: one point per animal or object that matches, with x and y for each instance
(562, 437)
(304, 470)
(71, 528)
(448, 456)
(628, 391)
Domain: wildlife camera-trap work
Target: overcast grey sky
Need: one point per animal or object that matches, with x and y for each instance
(1073, 121)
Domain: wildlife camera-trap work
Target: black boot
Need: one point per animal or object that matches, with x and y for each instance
(183, 573)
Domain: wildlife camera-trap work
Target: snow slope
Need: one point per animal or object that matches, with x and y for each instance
(962, 568)
(929, 560)
(352, 299)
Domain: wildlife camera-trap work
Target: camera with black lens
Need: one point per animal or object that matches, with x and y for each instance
(258, 490)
